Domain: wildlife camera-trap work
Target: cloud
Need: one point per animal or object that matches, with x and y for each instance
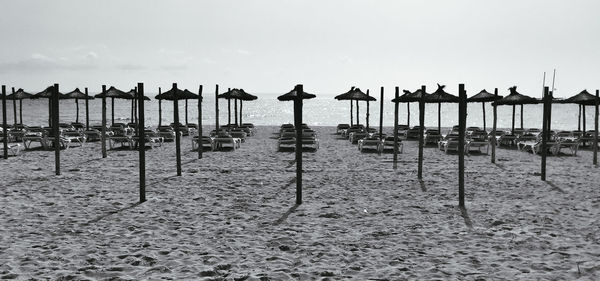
(91, 55)
(38, 62)
(243, 52)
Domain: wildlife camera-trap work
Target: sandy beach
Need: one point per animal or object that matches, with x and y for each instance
(231, 216)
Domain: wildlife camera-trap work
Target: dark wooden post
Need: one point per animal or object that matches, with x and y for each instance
(483, 107)
(21, 111)
(298, 125)
(112, 110)
(396, 94)
(493, 139)
(142, 141)
(186, 111)
(440, 117)
(381, 115)
(4, 125)
(550, 98)
(408, 114)
(103, 137)
(241, 110)
(133, 101)
(135, 107)
(462, 121)
(235, 102)
(14, 101)
(513, 120)
(217, 108)
(421, 130)
(357, 114)
(55, 132)
(351, 113)
(177, 129)
(159, 108)
(583, 116)
(596, 128)
(76, 110)
(545, 133)
(368, 112)
(50, 112)
(87, 110)
(579, 119)
(228, 110)
(200, 122)
(521, 116)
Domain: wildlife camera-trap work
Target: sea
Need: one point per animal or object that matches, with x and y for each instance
(320, 111)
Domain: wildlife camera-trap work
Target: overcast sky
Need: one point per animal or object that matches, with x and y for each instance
(268, 46)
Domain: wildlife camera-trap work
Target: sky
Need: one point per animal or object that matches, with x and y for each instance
(268, 46)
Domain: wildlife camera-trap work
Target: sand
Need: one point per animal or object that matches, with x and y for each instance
(231, 216)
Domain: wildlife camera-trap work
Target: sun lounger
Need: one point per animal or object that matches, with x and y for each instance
(477, 139)
(34, 136)
(206, 141)
(92, 135)
(518, 131)
(73, 137)
(341, 127)
(223, 140)
(572, 145)
(14, 149)
(371, 143)
(507, 139)
(166, 132)
(536, 146)
(413, 133)
(357, 135)
(450, 142)
(432, 136)
(236, 133)
(354, 128)
(152, 139)
(388, 144)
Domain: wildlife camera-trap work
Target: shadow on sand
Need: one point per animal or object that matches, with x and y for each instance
(286, 215)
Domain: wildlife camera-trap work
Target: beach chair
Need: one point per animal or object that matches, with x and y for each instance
(92, 135)
(354, 128)
(248, 128)
(388, 144)
(586, 138)
(223, 140)
(413, 133)
(185, 131)
(341, 127)
(206, 141)
(78, 126)
(14, 149)
(370, 143)
(152, 139)
(237, 133)
(73, 137)
(34, 134)
(120, 135)
(355, 136)
(432, 136)
(402, 129)
(506, 138)
(477, 139)
(571, 144)
(450, 142)
(309, 139)
(166, 132)
(470, 130)
(15, 133)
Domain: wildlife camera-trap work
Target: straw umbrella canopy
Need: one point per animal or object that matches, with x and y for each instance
(243, 96)
(231, 94)
(19, 95)
(113, 93)
(134, 105)
(77, 95)
(515, 98)
(440, 96)
(409, 97)
(47, 94)
(483, 97)
(355, 94)
(294, 95)
(582, 99)
(181, 95)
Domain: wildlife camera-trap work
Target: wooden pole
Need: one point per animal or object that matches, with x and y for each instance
(112, 110)
(596, 128)
(241, 109)
(87, 110)
(159, 108)
(235, 102)
(462, 122)
(483, 107)
(493, 139)
(357, 114)
(583, 117)
(21, 111)
(55, 132)
(440, 117)
(133, 101)
(298, 125)
(579, 119)
(200, 150)
(217, 108)
(550, 97)
(408, 114)
(545, 133)
(367, 111)
(14, 102)
(50, 112)
(77, 111)
(396, 94)
(4, 125)
(186, 111)
(521, 116)
(513, 119)
(142, 141)
(421, 129)
(177, 131)
(103, 137)
(381, 115)
(228, 110)
(351, 113)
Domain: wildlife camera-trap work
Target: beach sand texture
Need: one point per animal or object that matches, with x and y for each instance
(231, 216)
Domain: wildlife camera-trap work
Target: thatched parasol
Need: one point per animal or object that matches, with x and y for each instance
(18, 95)
(47, 94)
(77, 95)
(483, 97)
(514, 98)
(440, 96)
(582, 99)
(409, 97)
(113, 93)
(244, 97)
(355, 94)
(180, 95)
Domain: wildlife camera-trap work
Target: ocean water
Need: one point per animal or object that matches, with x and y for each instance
(320, 111)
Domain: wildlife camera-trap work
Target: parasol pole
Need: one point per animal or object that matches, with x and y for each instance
(112, 110)
(103, 138)
(596, 128)
(351, 112)
(200, 148)
(21, 110)
(159, 107)
(521, 116)
(141, 140)
(408, 114)
(55, 131)
(493, 140)
(77, 110)
(298, 125)
(421, 128)
(513, 120)
(235, 111)
(4, 125)
(228, 110)
(217, 108)
(177, 130)
(14, 107)
(186, 111)
(367, 111)
(357, 114)
(396, 94)
(439, 117)
(241, 108)
(462, 120)
(483, 108)
(381, 116)
(87, 110)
